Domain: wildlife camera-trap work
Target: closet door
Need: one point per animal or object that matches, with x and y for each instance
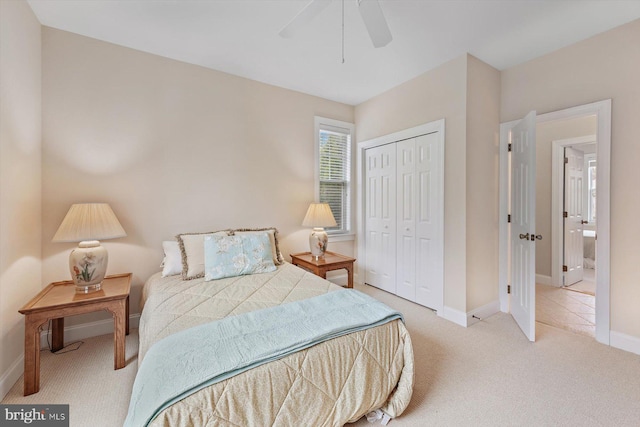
(406, 222)
(429, 221)
(380, 217)
(420, 253)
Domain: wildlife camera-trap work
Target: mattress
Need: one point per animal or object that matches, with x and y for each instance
(329, 384)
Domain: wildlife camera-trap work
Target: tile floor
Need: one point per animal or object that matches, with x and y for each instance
(566, 309)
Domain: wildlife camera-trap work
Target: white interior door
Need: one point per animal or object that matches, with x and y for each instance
(429, 222)
(406, 211)
(523, 208)
(573, 216)
(420, 256)
(380, 217)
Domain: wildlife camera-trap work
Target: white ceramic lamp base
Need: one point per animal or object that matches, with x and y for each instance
(88, 266)
(318, 242)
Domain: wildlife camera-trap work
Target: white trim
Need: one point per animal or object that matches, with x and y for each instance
(557, 202)
(544, 279)
(483, 312)
(625, 342)
(455, 316)
(602, 109)
(71, 333)
(11, 376)
(341, 237)
(424, 129)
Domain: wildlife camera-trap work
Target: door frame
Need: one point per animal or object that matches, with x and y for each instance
(557, 201)
(431, 127)
(602, 111)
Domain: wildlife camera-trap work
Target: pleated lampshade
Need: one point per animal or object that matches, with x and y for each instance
(319, 215)
(89, 221)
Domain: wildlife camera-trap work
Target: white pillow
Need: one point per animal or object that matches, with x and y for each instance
(172, 263)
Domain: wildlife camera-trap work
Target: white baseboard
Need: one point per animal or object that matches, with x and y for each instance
(455, 316)
(88, 330)
(624, 342)
(339, 279)
(483, 312)
(12, 375)
(71, 333)
(543, 280)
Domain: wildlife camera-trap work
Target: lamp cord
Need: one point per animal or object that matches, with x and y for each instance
(64, 349)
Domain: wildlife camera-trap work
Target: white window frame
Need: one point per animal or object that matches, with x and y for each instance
(323, 123)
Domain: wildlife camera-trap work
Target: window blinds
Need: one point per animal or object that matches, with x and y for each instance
(335, 173)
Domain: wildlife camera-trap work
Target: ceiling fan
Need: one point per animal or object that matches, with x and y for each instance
(369, 10)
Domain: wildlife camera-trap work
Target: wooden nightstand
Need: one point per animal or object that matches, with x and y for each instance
(330, 261)
(59, 299)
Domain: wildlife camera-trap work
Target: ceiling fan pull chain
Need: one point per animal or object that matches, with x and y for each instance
(343, 31)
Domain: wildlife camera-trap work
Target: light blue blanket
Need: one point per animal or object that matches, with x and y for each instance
(190, 360)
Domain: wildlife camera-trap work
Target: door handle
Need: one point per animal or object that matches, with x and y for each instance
(584, 222)
(524, 236)
(537, 237)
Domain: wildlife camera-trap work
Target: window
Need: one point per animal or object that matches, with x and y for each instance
(333, 170)
(591, 165)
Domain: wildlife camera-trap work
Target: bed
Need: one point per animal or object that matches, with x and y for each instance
(331, 383)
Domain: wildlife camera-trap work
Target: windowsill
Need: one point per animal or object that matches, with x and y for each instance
(341, 237)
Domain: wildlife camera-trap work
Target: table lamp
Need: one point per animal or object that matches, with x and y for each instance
(318, 216)
(88, 223)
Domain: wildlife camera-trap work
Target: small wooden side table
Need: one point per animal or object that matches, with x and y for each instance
(58, 300)
(330, 261)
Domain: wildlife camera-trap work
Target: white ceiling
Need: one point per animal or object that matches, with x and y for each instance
(241, 36)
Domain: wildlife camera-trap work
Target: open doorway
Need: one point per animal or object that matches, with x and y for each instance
(565, 200)
(509, 270)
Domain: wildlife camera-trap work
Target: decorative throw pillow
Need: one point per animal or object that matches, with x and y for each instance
(229, 256)
(172, 263)
(272, 232)
(192, 253)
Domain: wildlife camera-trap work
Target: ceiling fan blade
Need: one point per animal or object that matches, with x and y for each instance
(305, 16)
(375, 22)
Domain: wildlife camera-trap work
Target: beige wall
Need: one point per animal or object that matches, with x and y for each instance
(465, 92)
(483, 118)
(20, 212)
(605, 66)
(546, 133)
(173, 148)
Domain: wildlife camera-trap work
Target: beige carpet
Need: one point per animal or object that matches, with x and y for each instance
(485, 375)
